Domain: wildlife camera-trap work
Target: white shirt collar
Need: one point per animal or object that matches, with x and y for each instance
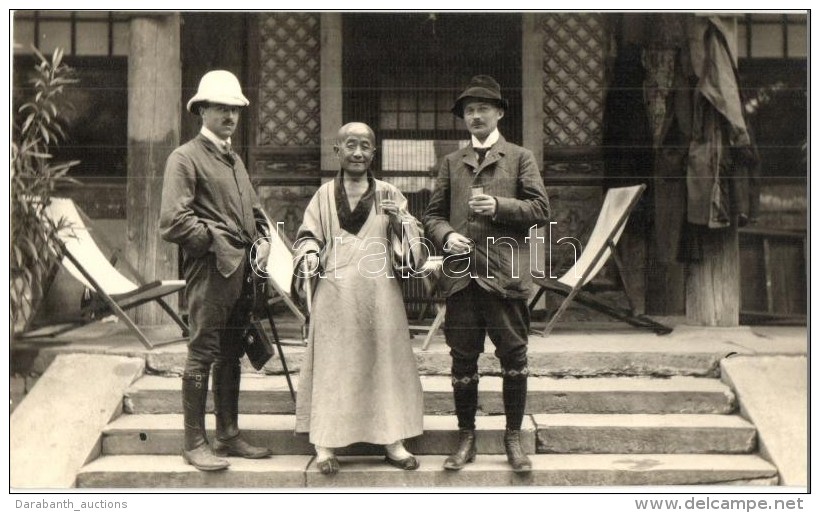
(491, 139)
(220, 143)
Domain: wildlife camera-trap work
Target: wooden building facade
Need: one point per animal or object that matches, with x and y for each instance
(569, 78)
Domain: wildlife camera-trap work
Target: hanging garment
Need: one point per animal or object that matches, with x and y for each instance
(718, 152)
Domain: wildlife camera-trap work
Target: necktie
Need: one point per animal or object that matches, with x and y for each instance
(226, 147)
(481, 152)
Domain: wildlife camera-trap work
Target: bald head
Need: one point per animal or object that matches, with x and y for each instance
(357, 129)
(355, 147)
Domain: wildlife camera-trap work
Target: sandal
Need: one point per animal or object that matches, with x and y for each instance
(329, 466)
(408, 463)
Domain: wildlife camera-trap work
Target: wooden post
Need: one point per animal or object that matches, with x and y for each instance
(532, 109)
(532, 86)
(330, 79)
(154, 82)
(713, 285)
(665, 275)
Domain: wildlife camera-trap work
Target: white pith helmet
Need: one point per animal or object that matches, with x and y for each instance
(219, 86)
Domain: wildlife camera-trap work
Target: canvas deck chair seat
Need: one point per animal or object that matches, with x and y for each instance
(280, 273)
(617, 206)
(113, 292)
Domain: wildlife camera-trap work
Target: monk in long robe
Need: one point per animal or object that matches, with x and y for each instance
(358, 381)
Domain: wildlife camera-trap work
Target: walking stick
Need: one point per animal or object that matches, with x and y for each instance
(308, 300)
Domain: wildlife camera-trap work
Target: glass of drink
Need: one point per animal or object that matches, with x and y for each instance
(475, 190)
(381, 196)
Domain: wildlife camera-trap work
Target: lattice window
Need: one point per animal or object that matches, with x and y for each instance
(77, 33)
(573, 78)
(767, 35)
(415, 106)
(289, 80)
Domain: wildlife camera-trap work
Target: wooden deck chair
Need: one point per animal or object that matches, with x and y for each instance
(432, 267)
(618, 205)
(84, 260)
(279, 271)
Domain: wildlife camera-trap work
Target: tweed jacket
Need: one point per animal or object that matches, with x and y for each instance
(208, 204)
(500, 259)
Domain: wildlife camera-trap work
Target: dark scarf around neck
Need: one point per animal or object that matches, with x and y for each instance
(352, 221)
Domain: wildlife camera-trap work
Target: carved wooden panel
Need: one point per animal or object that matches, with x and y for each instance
(574, 212)
(573, 67)
(288, 112)
(286, 205)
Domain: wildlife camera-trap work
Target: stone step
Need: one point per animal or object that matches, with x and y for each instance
(677, 394)
(642, 433)
(163, 434)
(151, 471)
(556, 433)
(580, 354)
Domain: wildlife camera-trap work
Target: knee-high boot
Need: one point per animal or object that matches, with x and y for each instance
(196, 450)
(226, 408)
(514, 391)
(465, 397)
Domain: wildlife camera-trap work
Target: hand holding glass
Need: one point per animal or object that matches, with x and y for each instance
(479, 202)
(383, 196)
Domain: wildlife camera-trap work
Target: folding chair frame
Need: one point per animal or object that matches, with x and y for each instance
(284, 295)
(279, 344)
(441, 311)
(587, 299)
(120, 312)
(109, 302)
(431, 287)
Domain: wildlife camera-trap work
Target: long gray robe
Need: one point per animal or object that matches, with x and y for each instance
(358, 381)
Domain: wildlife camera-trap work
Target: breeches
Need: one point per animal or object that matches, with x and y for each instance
(218, 312)
(472, 314)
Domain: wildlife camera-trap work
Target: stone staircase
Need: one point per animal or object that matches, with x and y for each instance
(656, 415)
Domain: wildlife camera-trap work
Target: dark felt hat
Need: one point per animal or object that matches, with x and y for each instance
(483, 87)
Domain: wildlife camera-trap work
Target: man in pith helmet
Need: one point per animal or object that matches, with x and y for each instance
(210, 209)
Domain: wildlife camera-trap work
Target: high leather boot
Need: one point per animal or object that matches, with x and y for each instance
(514, 391)
(465, 397)
(228, 441)
(196, 450)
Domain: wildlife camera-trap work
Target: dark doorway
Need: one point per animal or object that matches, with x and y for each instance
(401, 74)
(403, 71)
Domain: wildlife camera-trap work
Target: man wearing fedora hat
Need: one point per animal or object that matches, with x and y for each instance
(210, 209)
(487, 197)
